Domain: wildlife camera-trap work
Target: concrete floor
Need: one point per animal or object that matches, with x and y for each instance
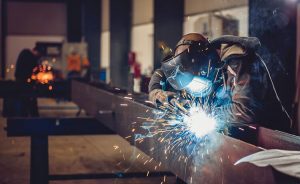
(73, 154)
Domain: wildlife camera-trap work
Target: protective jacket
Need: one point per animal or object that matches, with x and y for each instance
(245, 95)
(25, 64)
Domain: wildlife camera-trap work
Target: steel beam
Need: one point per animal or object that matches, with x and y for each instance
(55, 126)
(271, 139)
(109, 175)
(212, 162)
(13, 89)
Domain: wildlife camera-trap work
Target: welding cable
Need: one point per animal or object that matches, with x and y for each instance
(275, 91)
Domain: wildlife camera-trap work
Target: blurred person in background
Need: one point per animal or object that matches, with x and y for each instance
(135, 72)
(28, 60)
(86, 69)
(74, 65)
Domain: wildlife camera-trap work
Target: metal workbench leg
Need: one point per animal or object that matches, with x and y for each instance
(39, 165)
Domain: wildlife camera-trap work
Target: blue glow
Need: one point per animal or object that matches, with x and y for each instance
(199, 86)
(199, 122)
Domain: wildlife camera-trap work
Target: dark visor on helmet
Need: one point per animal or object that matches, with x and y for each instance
(191, 65)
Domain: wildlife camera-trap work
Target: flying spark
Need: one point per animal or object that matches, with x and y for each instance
(182, 131)
(199, 122)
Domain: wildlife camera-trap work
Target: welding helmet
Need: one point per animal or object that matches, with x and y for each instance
(195, 69)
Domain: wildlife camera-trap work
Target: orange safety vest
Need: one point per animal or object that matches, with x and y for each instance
(74, 62)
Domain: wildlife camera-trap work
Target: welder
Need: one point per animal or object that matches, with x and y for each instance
(24, 105)
(226, 74)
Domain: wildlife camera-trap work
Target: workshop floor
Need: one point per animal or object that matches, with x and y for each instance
(72, 154)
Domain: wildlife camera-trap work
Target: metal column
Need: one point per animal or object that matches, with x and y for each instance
(168, 25)
(3, 32)
(92, 29)
(120, 28)
(74, 20)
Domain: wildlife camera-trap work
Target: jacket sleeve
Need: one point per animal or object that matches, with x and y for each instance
(156, 80)
(246, 84)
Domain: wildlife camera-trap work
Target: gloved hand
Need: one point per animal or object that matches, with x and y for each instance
(160, 97)
(167, 99)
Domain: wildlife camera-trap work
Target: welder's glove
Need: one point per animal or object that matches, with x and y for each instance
(160, 97)
(186, 103)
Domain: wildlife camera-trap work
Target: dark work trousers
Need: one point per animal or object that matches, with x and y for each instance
(20, 107)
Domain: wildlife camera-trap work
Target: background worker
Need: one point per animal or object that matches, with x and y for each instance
(26, 105)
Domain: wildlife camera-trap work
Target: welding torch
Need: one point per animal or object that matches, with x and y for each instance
(183, 103)
(176, 102)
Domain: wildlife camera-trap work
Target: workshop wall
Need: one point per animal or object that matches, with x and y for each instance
(298, 65)
(105, 15)
(142, 33)
(142, 12)
(105, 39)
(28, 26)
(195, 6)
(105, 53)
(240, 13)
(142, 45)
(1, 42)
(34, 18)
(142, 30)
